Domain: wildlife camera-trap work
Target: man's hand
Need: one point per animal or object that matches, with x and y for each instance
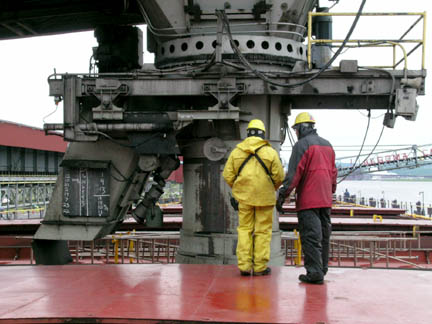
(280, 201)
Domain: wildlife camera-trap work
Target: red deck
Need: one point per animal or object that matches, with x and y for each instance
(210, 293)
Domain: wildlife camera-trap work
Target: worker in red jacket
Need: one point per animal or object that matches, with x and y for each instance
(312, 171)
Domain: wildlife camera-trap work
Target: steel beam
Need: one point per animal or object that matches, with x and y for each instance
(363, 84)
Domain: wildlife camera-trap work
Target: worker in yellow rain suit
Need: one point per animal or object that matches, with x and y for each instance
(254, 172)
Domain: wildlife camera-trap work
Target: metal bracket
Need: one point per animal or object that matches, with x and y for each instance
(368, 86)
(106, 91)
(186, 117)
(191, 115)
(406, 104)
(224, 91)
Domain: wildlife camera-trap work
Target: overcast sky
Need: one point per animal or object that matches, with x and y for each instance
(26, 64)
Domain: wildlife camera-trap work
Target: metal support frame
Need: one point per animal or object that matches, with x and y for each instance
(148, 85)
(366, 89)
(187, 95)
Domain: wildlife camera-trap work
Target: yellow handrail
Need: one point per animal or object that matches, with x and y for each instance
(372, 42)
(25, 182)
(338, 202)
(116, 248)
(131, 246)
(347, 14)
(418, 216)
(377, 218)
(298, 247)
(10, 211)
(424, 40)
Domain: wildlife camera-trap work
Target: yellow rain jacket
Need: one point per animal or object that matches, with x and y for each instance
(253, 186)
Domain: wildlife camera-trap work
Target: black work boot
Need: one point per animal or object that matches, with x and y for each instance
(245, 273)
(311, 279)
(266, 272)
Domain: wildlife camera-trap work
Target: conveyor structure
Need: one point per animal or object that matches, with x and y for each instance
(218, 64)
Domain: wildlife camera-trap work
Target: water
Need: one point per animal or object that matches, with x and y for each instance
(403, 191)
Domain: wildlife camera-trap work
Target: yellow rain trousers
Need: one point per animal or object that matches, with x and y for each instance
(254, 252)
(256, 194)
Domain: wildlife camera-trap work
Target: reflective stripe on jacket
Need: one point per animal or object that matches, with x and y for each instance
(312, 171)
(253, 185)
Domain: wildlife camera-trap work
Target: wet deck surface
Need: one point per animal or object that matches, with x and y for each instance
(211, 293)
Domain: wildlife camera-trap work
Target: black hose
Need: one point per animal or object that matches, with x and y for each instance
(263, 77)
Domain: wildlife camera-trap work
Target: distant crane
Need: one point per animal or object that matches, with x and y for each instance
(408, 157)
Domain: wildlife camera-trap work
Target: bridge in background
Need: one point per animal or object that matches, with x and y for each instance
(407, 157)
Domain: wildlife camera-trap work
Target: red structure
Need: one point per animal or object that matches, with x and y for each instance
(177, 175)
(18, 135)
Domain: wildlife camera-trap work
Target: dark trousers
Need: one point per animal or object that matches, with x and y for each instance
(315, 230)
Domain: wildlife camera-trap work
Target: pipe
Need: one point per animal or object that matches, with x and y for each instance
(109, 127)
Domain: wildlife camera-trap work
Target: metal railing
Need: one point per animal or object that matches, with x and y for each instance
(128, 247)
(25, 196)
(390, 249)
(363, 249)
(356, 43)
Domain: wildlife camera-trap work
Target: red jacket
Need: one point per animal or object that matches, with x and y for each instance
(312, 171)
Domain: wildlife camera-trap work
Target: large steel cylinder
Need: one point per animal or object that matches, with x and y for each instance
(265, 31)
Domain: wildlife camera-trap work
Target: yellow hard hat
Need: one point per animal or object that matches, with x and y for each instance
(304, 117)
(256, 123)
